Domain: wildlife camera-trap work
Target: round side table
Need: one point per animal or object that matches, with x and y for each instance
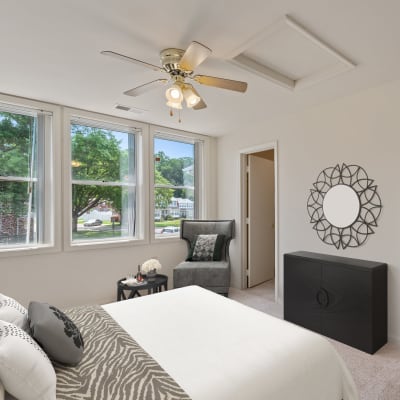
(159, 283)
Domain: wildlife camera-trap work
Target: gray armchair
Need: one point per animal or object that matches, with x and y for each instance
(212, 275)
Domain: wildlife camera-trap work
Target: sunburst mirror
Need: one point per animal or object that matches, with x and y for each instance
(344, 206)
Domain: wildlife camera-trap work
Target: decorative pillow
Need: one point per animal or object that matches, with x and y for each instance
(56, 333)
(25, 370)
(206, 248)
(11, 311)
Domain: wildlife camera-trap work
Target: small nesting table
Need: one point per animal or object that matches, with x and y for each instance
(157, 285)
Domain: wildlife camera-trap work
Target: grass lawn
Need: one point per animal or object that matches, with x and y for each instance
(85, 234)
(96, 234)
(172, 222)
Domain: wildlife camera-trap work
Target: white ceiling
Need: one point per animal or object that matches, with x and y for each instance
(50, 50)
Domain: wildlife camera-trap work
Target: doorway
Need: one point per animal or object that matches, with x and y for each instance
(259, 218)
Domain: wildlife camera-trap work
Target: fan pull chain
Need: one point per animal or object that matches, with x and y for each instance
(171, 113)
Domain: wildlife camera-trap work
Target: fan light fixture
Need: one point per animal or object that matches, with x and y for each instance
(174, 93)
(174, 96)
(181, 91)
(174, 104)
(180, 65)
(190, 95)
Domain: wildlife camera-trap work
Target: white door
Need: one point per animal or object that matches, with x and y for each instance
(261, 220)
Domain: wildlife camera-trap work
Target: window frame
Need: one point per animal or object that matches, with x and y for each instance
(57, 181)
(202, 152)
(141, 146)
(49, 151)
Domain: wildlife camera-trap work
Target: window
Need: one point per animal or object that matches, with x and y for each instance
(175, 184)
(103, 172)
(25, 167)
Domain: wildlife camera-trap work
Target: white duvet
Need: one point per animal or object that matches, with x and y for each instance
(218, 349)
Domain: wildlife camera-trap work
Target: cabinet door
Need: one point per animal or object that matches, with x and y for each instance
(302, 279)
(347, 317)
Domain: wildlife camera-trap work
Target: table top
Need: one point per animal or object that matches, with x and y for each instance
(158, 280)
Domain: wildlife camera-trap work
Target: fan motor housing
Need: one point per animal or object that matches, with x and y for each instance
(170, 60)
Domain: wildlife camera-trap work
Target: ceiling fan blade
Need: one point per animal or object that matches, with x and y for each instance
(132, 60)
(146, 87)
(194, 55)
(229, 84)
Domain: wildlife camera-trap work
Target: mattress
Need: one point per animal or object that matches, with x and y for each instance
(218, 349)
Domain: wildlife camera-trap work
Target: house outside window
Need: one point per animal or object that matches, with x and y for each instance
(175, 183)
(25, 169)
(103, 178)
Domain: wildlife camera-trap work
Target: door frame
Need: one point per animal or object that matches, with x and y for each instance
(243, 210)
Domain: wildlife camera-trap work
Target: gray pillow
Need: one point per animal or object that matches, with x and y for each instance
(56, 333)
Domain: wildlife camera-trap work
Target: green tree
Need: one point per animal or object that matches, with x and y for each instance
(173, 170)
(16, 136)
(170, 168)
(97, 156)
(162, 196)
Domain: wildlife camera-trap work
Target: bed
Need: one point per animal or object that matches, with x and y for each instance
(194, 344)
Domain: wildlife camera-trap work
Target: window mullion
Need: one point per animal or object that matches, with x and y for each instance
(41, 168)
(131, 206)
(101, 183)
(197, 176)
(17, 179)
(33, 150)
(161, 186)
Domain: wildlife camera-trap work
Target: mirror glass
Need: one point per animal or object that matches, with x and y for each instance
(341, 205)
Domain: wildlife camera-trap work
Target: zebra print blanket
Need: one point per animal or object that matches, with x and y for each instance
(114, 366)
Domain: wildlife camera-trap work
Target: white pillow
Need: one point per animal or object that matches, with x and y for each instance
(25, 370)
(12, 311)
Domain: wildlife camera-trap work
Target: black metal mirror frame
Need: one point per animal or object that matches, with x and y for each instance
(356, 233)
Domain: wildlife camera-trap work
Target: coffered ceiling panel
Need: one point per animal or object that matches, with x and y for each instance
(290, 55)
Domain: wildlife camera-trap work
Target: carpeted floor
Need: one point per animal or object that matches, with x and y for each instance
(377, 376)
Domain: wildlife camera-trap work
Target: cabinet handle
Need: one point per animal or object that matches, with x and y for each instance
(322, 298)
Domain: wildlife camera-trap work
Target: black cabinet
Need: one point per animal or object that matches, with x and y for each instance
(342, 298)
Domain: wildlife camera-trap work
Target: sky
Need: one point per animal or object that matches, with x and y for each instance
(173, 149)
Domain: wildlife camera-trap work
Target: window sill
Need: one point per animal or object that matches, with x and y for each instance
(97, 244)
(166, 239)
(29, 250)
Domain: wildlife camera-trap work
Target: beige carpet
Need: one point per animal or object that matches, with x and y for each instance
(377, 376)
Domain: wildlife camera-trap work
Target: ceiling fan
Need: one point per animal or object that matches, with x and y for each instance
(180, 65)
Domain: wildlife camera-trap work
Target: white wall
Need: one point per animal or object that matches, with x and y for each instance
(363, 129)
(81, 277)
